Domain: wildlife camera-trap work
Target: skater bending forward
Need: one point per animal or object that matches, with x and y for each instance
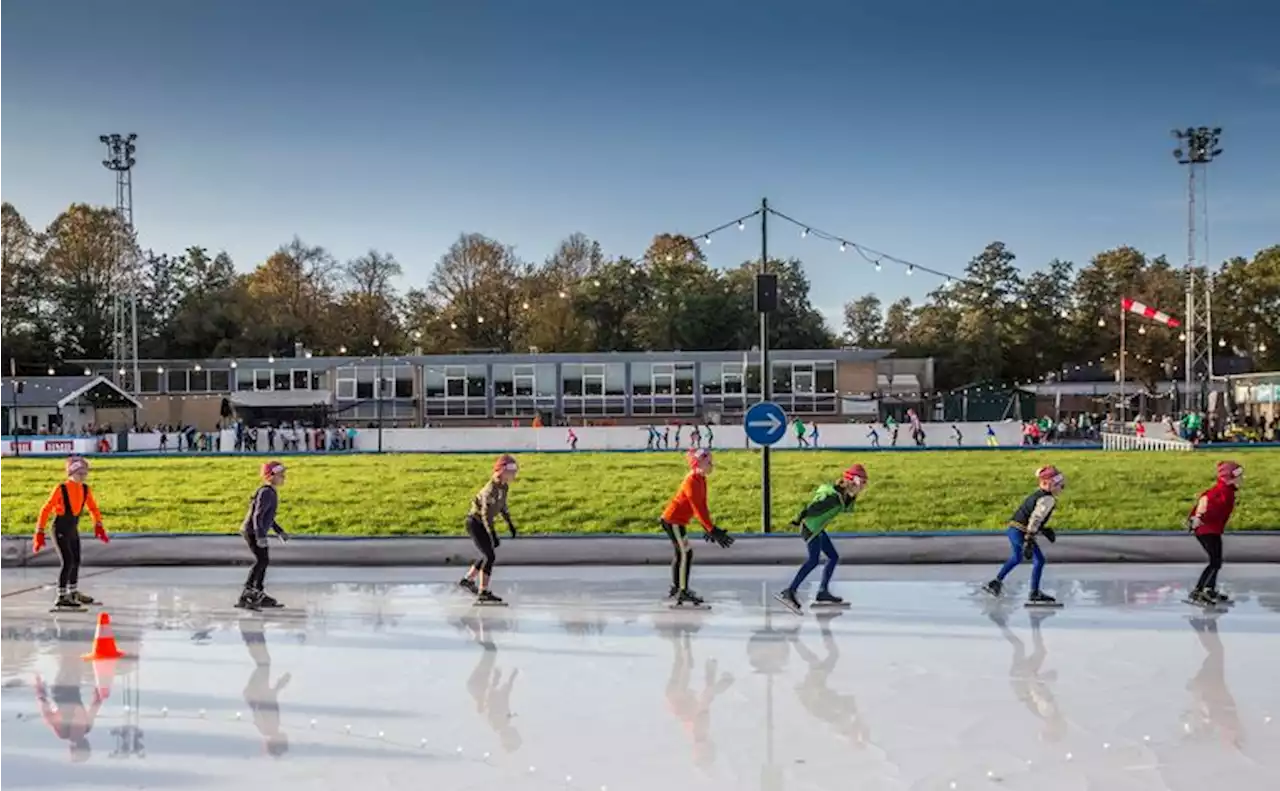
(1029, 521)
(690, 501)
(1208, 520)
(66, 503)
(828, 501)
(486, 506)
(258, 523)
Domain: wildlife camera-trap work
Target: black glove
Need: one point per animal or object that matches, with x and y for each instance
(1028, 548)
(497, 542)
(806, 533)
(261, 541)
(721, 537)
(795, 522)
(1048, 533)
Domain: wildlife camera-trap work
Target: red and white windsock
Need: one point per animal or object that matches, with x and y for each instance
(1149, 312)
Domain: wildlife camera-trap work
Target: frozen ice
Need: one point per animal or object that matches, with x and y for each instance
(588, 681)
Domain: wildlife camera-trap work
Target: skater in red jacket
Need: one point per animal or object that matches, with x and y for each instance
(1208, 520)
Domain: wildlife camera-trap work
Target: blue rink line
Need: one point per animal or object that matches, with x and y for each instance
(776, 536)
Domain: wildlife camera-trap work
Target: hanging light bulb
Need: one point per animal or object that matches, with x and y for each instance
(804, 233)
(596, 283)
(1023, 304)
(51, 370)
(1222, 342)
(526, 306)
(911, 268)
(1182, 336)
(877, 264)
(306, 354)
(563, 295)
(453, 325)
(342, 350)
(480, 319)
(842, 247)
(1102, 322)
(88, 373)
(1262, 348)
(706, 239)
(198, 364)
(233, 365)
(741, 225)
(1142, 330)
(160, 370)
(271, 358)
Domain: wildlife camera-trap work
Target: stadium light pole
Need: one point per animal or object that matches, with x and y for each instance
(1197, 147)
(377, 391)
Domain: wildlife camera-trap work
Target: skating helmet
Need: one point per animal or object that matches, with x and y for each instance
(697, 456)
(270, 468)
(1230, 472)
(1051, 475)
(505, 463)
(77, 465)
(856, 472)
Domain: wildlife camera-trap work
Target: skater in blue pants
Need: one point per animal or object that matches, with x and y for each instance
(828, 502)
(1029, 521)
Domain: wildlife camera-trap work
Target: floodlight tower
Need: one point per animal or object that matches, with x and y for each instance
(1197, 147)
(124, 346)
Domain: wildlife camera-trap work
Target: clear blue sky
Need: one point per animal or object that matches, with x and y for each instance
(924, 129)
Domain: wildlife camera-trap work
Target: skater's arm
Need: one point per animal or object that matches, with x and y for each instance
(92, 505)
(264, 510)
(50, 507)
(828, 503)
(695, 487)
(1043, 509)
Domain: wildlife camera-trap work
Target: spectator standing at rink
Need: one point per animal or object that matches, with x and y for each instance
(164, 442)
(351, 437)
(271, 439)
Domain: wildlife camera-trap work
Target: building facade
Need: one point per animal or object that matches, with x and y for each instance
(484, 389)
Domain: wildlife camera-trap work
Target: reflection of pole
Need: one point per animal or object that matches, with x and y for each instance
(768, 652)
(1123, 353)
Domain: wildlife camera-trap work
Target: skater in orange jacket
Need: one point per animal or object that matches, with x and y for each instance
(690, 501)
(66, 503)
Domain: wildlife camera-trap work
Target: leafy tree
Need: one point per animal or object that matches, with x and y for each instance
(864, 322)
(478, 287)
(26, 311)
(1246, 304)
(368, 307)
(90, 257)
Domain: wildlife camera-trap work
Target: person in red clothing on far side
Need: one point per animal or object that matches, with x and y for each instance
(690, 501)
(1208, 520)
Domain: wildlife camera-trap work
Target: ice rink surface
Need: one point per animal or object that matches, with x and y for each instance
(390, 679)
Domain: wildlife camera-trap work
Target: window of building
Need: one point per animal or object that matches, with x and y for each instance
(262, 378)
(523, 390)
(301, 379)
(219, 380)
(198, 381)
(149, 381)
(176, 380)
(319, 380)
(663, 389)
(456, 391)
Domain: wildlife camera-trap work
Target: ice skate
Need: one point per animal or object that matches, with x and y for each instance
(1221, 599)
(672, 593)
(994, 587)
(265, 602)
(829, 600)
(787, 598)
(64, 603)
(688, 600)
(1203, 598)
(486, 598)
(83, 599)
(248, 601)
(1039, 598)
(469, 585)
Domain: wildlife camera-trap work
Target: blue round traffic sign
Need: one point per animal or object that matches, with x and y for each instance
(765, 423)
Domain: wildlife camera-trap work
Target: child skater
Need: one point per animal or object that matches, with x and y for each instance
(1031, 519)
(572, 439)
(488, 504)
(1208, 520)
(828, 502)
(690, 501)
(66, 504)
(258, 523)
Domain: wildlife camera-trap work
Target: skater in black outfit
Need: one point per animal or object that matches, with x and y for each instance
(258, 523)
(488, 504)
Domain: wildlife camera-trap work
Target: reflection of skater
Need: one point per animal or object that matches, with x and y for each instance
(258, 523)
(62, 705)
(837, 709)
(1030, 682)
(1212, 703)
(1208, 520)
(490, 693)
(1032, 519)
(694, 710)
(261, 695)
(488, 504)
(828, 502)
(690, 501)
(66, 503)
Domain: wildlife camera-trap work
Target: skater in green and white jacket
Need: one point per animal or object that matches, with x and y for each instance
(828, 502)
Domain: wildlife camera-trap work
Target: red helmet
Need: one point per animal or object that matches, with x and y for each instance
(696, 457)
(1051, 474)
(270, 468)
(76, 464)
(1230, 472)
(505, 463)
(856, 472)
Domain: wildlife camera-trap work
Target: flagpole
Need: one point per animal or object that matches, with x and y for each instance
(1122, 361)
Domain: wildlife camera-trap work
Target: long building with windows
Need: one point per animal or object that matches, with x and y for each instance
(489, 389)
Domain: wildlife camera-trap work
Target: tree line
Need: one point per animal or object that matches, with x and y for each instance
(998, 324)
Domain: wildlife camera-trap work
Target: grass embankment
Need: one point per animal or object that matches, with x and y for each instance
(625, 492)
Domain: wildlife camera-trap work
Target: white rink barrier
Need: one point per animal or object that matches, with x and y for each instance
(1133, 442)
(553, 438)
(50, 446)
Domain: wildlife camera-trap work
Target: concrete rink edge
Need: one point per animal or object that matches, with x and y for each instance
(754, 550)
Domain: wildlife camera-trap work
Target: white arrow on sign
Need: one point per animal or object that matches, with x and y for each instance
(772, 423)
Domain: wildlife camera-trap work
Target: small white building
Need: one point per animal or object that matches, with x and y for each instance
(64, 405)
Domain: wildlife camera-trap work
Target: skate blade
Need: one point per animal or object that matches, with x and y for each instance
(490, 604)
(794, 608)
(677, 606)
(827, 605)
(67, 609)
(247, 607)
(1204, 605)
(1035, 605)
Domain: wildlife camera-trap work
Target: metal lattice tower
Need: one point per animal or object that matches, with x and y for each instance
(1197, 147)
(124, 345)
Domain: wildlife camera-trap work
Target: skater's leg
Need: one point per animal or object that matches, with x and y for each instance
(74, 548)
(1016, 538)
(484, 543)
(810, 564)
(682, 559)
(62, 543)
(833, 559)
(1037, 567)
(258, 573)
(1213, 548)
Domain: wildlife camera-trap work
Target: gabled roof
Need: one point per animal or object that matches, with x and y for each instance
(62, 391)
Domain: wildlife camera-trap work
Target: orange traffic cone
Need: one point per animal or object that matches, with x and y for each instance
(104, 641)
